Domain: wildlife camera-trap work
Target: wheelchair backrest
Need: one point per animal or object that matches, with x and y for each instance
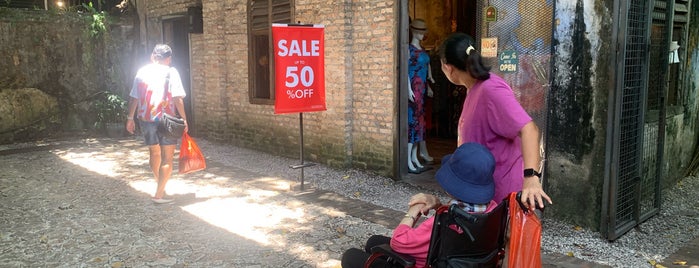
(460, 239)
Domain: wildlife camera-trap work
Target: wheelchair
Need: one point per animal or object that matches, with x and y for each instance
(459, 239)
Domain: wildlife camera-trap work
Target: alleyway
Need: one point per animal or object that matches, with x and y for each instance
(86, 203)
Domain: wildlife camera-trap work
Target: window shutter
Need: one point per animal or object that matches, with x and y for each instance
(259, 18)
(659, 10)
(681, 11)
(679, 7)
(281, 11)
(262, 14)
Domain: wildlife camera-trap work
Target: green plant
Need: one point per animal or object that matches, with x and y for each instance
(109, 108)
(98, 22)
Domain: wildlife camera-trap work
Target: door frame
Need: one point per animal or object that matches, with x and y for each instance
(175, 33)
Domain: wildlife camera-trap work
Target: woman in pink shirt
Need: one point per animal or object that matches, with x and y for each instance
(467, 176)
(493, 117)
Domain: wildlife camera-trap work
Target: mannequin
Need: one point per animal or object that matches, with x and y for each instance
(419, 72)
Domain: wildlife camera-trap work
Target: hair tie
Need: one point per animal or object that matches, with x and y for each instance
(469, 49)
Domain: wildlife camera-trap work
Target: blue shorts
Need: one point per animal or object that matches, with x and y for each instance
(151, 135)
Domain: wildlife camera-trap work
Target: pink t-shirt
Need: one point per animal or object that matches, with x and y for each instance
(416, 241)
(493, 117)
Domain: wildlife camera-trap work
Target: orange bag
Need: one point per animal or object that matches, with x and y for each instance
(191, 158)
(525, 237)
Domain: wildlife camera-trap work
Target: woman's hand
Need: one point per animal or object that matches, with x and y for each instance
(413, 214)
(428, 202)
(533, 193)
(416, 210)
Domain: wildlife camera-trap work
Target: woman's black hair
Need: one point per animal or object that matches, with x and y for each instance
(453, 51)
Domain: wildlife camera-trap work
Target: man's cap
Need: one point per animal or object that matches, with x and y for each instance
(162, 51)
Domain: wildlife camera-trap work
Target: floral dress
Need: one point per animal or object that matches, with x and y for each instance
(417, 72)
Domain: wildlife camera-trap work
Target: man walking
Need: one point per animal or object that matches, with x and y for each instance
(157, 89)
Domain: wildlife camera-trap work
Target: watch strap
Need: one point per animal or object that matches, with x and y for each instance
(531, 172)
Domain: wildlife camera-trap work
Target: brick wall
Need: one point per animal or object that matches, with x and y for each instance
(357, 130)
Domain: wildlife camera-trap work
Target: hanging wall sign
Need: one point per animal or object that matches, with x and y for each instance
(489, 47)
(299, 65)
(491, 14)
(508, 61)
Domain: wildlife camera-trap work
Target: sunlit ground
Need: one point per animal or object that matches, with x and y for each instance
(265, 222)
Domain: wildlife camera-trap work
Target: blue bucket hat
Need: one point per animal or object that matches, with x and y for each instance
(467, 174)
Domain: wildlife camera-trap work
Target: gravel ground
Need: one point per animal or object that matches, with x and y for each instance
(676, 224)
(653, 240)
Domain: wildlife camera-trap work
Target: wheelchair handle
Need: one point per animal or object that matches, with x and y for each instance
(457, 211)
(524, 207)
(461, 217)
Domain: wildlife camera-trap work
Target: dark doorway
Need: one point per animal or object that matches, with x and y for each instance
(444, 108)
(176, 35)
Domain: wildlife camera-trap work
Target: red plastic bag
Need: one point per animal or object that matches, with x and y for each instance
(525, 237)
(191, 158)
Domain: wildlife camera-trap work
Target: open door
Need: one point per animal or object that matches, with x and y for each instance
(443, 109)
(176, 35)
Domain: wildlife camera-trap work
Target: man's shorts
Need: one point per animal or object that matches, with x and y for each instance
(151, 135)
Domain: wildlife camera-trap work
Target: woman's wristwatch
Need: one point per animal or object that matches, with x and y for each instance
(407, 215)
(531, 172)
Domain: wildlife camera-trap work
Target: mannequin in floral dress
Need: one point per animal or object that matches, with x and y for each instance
(418, 74)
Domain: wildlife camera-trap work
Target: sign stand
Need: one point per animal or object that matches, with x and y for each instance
(299, 80)
(302, 165)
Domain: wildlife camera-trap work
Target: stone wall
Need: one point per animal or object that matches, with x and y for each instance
(54, 52)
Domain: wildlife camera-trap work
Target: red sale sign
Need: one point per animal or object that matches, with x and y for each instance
(299, 64)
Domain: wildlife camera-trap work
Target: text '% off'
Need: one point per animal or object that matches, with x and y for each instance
(299, 93)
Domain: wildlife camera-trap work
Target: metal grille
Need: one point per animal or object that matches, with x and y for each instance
(631, 121)
(528, 34)
(635, 186)
(654, 128)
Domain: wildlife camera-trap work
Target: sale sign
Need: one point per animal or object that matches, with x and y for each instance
(299, 64)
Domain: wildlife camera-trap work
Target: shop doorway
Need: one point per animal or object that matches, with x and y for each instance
(176, 35)
(443, 109)
(512, 28)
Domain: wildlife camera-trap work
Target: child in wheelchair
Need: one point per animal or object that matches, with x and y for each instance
(467, 176)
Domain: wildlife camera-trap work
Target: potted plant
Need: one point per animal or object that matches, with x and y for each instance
(110, 109)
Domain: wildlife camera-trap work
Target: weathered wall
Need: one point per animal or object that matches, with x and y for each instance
(357, 130)
(54, 52)
(578, 110)
(25, 108)
(372, 92)
(682, 121)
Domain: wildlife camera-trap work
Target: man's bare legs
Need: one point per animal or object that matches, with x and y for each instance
(161, 165)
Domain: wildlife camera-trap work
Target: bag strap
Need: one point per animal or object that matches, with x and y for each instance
(166, 91)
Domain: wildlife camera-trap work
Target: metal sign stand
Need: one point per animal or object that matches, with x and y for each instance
(302, 165)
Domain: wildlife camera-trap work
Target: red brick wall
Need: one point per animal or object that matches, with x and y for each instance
(357, 130)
